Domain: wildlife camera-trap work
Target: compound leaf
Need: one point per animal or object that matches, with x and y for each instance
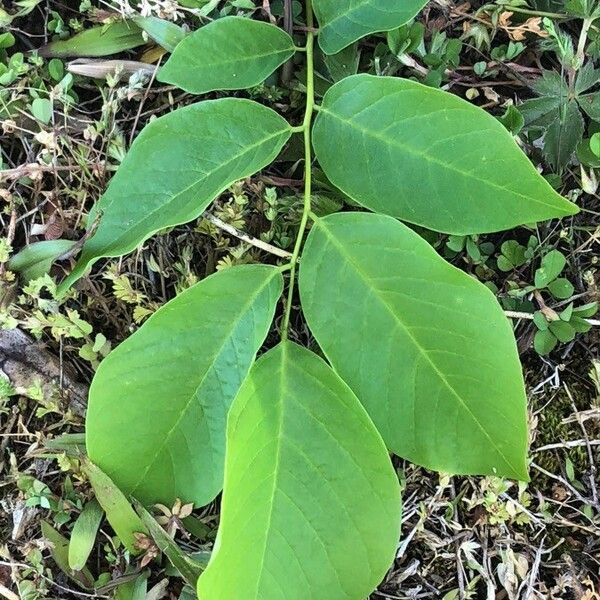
(158, 403)
(345, 21)
(175, 168)
(428, 157)
(232, 53)
(425, 347)
(311, 504)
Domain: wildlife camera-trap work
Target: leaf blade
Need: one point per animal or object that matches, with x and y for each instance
(122, 518)
(102, 40)
(428, 157)
(425, 347)
(172, 391)
(232, 53)
(83, 535)
(328, 490)
(222, 141)
(345, 21)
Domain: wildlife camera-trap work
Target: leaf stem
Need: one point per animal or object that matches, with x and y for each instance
(537, 13)
(585, 28)
(306, 129)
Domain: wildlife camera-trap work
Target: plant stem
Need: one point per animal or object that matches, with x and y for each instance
(306, 129)
(537, 13)
(585, 28)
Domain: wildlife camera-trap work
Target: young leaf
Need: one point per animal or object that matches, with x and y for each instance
(171, 384)
(563, 331)
(59, 552)
(428, 157)
(425, 347)
(176, 167)
(119, 513)
(311, 506)
(561, 288)
(551, 267)
(36, 259)
(97, 41)
(84, 533)
(563, 135)
(544, 342)
(345, 21)
(135, 589)
(164, 33)
(232, 53)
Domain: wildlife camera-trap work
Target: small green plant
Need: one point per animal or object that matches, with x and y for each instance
(420, 359)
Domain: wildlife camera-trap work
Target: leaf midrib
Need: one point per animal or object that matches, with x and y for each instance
(247, 306)
(242, 59)
(276, 469)
(422, 351)
(346, 14)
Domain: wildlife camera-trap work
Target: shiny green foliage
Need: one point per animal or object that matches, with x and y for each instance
(421, 359)
(345, 21)
(431, 339)
(311, 503)
(176, 167)
(159, 402)
(428, 157)
(233, 53)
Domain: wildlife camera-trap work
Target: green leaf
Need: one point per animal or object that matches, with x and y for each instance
(233, 53)
(36, 259)
(563, 135)
(344, 63)
(428, 157)
(59, 551)
(551, 267)
(188, 568)
(513, 120)
(586, 310)
(172, 383)
(119, 513)
(176, 167)
(84, 533)
(41, 109)
(561, 288)
(544, 342)
(345, 21)
(540, 111)
(311, 505)
(590, 104)
(594, 144)
(424, 346)
(579, 325)
(563, 331)
(540, 320)
(136, 589)
(164, 33)
(97, 41)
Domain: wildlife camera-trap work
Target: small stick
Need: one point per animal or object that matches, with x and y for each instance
(6, 593)
(245, 237)
(511, 314)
